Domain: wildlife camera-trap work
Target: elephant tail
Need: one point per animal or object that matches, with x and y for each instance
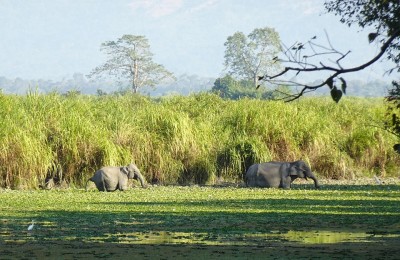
(251, 176)
(246, 180)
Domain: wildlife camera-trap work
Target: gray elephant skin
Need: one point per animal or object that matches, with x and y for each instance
(278, 174)
(111, 178)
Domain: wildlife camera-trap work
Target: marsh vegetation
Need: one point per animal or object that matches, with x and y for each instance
(199, 139)
(205, 143)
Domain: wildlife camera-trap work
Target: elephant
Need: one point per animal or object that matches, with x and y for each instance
(278, 174)
(111, 178)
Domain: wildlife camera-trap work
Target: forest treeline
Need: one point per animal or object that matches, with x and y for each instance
(198, 139)
(184, 85)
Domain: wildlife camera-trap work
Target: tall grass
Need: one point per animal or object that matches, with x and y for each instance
(196, 139)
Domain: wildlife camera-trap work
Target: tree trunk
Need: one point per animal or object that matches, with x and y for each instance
(134, 88)
(135, 76)
(255, 80)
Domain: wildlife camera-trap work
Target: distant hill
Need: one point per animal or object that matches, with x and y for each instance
(184, 85)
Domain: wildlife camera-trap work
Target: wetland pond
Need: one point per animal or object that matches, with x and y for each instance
(301, 237)
(191, 245)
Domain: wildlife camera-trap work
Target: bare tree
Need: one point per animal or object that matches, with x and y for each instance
(311, 57)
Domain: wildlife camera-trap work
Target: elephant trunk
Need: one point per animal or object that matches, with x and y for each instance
(87, 183)
(315, 181)
(140, 178)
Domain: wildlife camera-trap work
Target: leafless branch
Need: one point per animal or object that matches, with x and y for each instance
(299, 63)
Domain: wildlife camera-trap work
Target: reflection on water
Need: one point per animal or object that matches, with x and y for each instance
(304, 237)
(326, 237)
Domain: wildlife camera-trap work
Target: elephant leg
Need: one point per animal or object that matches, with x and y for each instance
(122, 182)
(104, 184)
(292, 178)
(286, 182)
(122, 186)
(100, 186)
(249, 180)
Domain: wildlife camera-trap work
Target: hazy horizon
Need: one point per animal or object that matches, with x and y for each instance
(53, 39)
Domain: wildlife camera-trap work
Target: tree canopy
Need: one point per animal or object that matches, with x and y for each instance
(230, 88)
(130, 58)
(247, 57)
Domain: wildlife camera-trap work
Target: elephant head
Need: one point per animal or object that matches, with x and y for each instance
(132, 171)
(300, 169)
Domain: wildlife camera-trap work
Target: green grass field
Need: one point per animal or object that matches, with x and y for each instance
(175, 222)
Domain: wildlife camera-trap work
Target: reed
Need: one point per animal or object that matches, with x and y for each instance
(199, 139)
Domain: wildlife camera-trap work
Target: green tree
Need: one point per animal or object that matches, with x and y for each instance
(230, 88)
(249, 56)
(130, 58)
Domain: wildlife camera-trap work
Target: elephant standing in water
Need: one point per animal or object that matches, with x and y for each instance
(111, 178)
(278, 174)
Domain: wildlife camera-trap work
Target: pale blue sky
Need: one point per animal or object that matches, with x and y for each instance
(53, 39)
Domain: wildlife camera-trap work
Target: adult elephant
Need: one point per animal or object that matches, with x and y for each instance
(278, 174)
(111, 178)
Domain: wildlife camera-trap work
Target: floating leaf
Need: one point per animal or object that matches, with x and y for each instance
(336, 94)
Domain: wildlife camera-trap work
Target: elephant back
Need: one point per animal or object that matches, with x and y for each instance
(107, 178)
(269, 174)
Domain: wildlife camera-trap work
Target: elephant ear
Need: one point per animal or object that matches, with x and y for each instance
(298, 171)
(303, 170)
(124, 170)
(293, 171)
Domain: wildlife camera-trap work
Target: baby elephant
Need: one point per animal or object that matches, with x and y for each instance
(111, 178)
